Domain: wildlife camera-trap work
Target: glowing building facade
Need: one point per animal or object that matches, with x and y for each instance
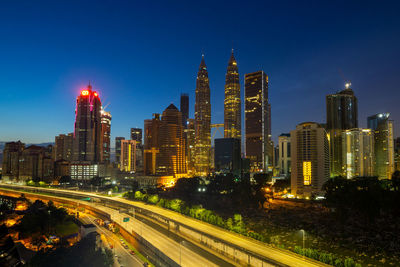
(384, 145)
(118, 141)
(232, 103)
(87, 134)
(358, 152)
(259, 147)
(341, 114)
(63, 147)
(151, 144)
(284, 154)
(202, 121)
(171, 161)
(310, 159)
(128, 155)
(190, 147)
(105, 136)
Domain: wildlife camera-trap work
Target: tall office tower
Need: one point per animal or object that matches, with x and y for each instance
(63, 147)
(384, 144)
(128, 155)
(184, 109)
(11, 153)
(171, 160)
(227, 157)
(310, 159)
(202, 121)
(284, 157)
(259, 147)
(118, 149)
(358, 152)
(190, 147)
(232, 103)
(105, 136)
(87, 134)
(136, 134)
(341, 114)
(151, 144)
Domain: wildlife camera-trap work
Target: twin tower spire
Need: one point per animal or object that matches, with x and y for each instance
(202, 121)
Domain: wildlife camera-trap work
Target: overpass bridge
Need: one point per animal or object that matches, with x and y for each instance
(232, 247)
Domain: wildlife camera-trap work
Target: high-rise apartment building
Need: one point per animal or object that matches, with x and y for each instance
(259, 147)
(128, 155)
(151, 144)
(35, 163)
(232, 103)
(384, 144)
(284, 156)
(184, 109)
(358, 152)
(136, 134)
(202, 121)
(171, 160)
(11, 154)
(118, 140)
(63, 147)
(310, 159)
(87, 134)
(341, 114)
(105, 136)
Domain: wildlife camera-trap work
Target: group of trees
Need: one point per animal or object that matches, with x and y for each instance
(363, 196)
(84, 253)
(41, 219)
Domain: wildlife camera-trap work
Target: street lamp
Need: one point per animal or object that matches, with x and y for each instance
(304, 239)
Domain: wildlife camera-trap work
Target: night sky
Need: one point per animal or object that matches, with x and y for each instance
(141, 56)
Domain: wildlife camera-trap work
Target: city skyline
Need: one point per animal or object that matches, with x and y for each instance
(300, 76)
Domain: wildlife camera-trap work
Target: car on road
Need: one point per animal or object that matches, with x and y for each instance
(125, 246)
(132, 252)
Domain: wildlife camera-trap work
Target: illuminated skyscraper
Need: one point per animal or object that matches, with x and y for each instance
(63, 147)
(118, 141)
(284, 157)
(341, 114)
(259, 147)
(232, 103)
(190, 147)
(202, 117)
(128, 155)
(136, 134)
(171, 160)
(105, 136)
(310, 159)
(185, 109)
(87, 134)
(358, 152)
(384, 144)
(151, 144)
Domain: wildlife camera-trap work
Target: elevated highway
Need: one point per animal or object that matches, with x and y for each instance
(233, 247)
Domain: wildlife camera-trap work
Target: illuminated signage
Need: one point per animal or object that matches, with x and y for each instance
(307, 172)
(85, 92)
(95, 94)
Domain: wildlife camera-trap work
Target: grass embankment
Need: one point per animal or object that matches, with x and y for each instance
(141, 256)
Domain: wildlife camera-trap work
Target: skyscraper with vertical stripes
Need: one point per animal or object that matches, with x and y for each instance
(202, 122)
(232, 103)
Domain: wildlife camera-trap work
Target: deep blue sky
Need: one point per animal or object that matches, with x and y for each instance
(142, 55)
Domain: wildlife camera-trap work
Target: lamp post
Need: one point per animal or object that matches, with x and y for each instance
(304, 239)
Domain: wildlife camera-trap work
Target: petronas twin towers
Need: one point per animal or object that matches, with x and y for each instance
(232, 113)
